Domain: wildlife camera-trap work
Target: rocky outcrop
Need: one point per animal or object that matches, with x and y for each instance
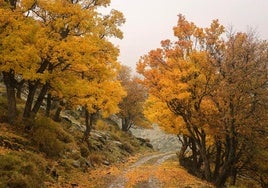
(157, 138)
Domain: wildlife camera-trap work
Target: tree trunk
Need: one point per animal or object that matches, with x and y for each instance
(264, 183)
(224, 174)
(217, 160)
(10, 83)
(228, 163)
(207, 167)
(12, 4)
(233, 175)
(194, 154)
(40, 98)
(32, 87)
(58, 111)
(125, 124)
(205, 156)
(184, 145)
(48, 107)
(89, 123)
(57, 114)
(19, 89)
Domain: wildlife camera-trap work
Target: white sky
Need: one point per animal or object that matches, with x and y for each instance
(150, 21)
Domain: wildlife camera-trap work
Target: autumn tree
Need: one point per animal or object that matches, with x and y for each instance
(55, 43)
(241, 101)
(131, 107)
(75, 31)
(210, 83)
(17, 48)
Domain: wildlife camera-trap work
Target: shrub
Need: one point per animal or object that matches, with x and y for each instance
(116, 135)
(25, 170)
(96, 158)
(102, 125)
(128, 147)
(84, 151)
(50, 137)
(67, 165)
(48, 142)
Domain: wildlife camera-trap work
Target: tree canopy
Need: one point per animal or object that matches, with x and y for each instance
(132, 105)
(60, 51)
(217, 88)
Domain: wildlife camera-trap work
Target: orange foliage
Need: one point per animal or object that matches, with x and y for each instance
(217, 86)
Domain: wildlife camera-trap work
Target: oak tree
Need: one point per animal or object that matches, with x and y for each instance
(53, 46)
(214, 85)
(131, 107)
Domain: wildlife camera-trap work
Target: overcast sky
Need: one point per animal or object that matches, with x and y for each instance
(150, 21)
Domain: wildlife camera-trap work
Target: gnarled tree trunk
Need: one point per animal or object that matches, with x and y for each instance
(90, 118)
(58, 111)
(40, 98)
(10, 84)
(32, 87)
(19, 88)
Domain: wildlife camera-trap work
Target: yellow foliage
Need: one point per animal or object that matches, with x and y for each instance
(17, 50)
(158, 112)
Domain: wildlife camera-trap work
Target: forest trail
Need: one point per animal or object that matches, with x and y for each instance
(156, 170)
(160, 169)
(147, 180)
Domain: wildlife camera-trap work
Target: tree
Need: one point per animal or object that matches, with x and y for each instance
(17, 49)
(243, 102)
(212, 85)
(131, 107)
(59, 42)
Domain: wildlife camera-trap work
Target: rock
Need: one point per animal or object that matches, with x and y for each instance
(74, 185)
(85, 163)
(97, 135)
(102, 140)
(76, 164)
(149, 145)
(107, 163)
(141, 139)
(53, 172)
(65, 118)
(74, 154)
(117, 143)
(72, 121)
(72, 113)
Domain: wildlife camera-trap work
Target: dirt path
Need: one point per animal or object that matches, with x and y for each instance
(156, 171)
(150, 181)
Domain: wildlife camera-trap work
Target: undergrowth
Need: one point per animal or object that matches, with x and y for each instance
(22, 169)
(42, 153)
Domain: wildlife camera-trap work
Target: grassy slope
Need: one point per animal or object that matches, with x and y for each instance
(52, 155)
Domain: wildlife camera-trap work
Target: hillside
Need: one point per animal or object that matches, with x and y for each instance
(52, 155)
